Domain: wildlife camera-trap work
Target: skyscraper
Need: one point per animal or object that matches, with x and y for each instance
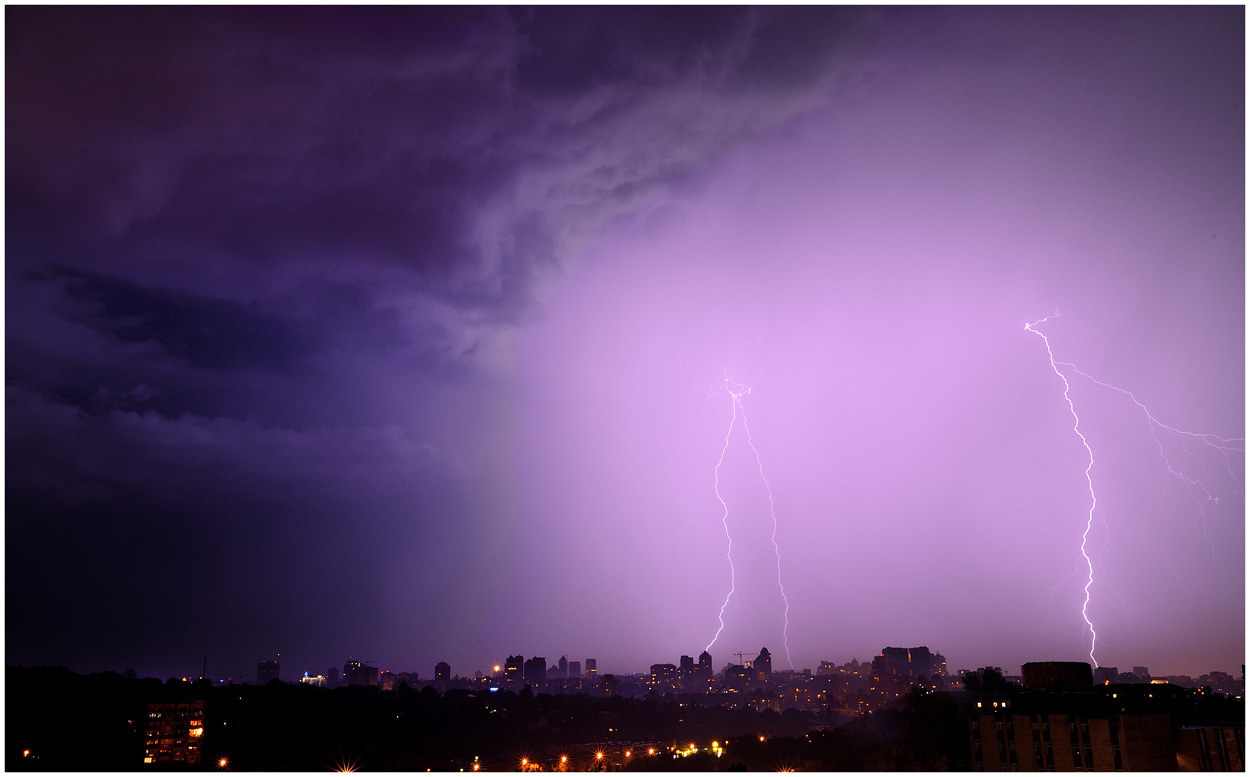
(442, 672)
(575, 670)
(512, 671)
(536, 671)
(592, 668)
(358, 673)
(705, 664)
(762, 666)
(564, 666)
(266, 671)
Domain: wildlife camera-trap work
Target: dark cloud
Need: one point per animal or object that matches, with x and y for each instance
(272, 135)
(333, 305)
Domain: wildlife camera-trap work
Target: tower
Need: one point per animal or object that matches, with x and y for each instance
(762, 666)
(266, 671)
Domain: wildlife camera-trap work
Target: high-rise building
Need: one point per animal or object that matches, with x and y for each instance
(174, 733)
(564, 666)
(762, 666)
(332, 677)
(663, 676)
(592, 668)
(536, 671)
(575, 670)
(266, 671)
(737, 676)
(686, 666)
(904, 662)
(705, 664)
(1057, 675)
(359, 673)
(442, 672)
(512, 671)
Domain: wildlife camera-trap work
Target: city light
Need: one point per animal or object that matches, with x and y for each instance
(222, 763)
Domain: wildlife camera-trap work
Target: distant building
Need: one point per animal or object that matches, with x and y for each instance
(592, 668)
(318, 680)
(687, 665)
(737, 676)
(358, 673)
(266, 671)
(442, 672)
(903, 662)
(174, 733)
(1106, 674)
(575, 670)
(332, 677)
(1143, 673)
(827, 667)
(564, 666)
(536, 671)
(762, 666)
(663, 676)
(513, 671)
(1057, 675)
(705, 665)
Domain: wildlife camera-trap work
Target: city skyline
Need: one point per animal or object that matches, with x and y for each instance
(412, 333)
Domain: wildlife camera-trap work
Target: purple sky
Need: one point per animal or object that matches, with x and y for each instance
(402, 334)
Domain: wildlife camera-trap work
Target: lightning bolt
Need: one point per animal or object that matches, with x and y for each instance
(738, 409)
(772, 512)
(1093, 500)
(1222, 444)
(724, 519)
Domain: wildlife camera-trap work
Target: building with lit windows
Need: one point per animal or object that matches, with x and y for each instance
(592, 668)
(663, 677)
(174, 733)
(359, 673)
(442, 672)
(536, 671)
(575, 670)
(903, 662)
(762, 666)
(513, 670)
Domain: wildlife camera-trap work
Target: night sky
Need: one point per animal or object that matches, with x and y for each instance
(406, 333)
